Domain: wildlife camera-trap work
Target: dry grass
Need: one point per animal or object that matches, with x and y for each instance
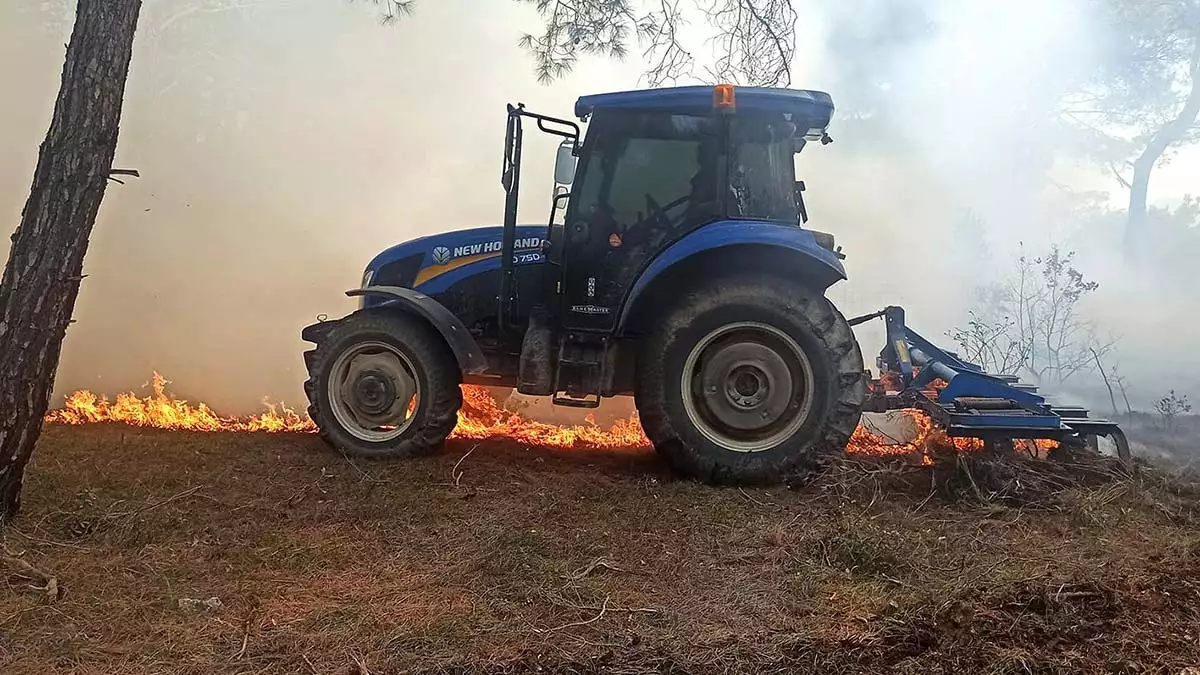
(576, 562)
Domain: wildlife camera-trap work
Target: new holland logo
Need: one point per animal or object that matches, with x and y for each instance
(441, 255)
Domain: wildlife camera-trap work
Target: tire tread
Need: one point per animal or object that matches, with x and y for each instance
(847, 375)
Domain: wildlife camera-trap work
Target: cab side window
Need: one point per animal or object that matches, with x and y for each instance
(647, 173)
(660, 168)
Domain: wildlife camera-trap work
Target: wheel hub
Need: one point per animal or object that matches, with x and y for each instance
(372, 387)
(747, 386)
(373, 392)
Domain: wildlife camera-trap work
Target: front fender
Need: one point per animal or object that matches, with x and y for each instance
(466, 351)
(819, 265)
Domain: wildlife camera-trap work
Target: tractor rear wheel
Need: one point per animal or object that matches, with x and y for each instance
(751, 382)
(384, 385)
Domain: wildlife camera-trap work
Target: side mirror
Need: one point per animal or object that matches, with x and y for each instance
(564, 163)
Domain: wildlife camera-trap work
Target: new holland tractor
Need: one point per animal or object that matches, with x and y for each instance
(681, 272)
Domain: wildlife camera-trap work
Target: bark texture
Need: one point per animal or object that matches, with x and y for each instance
(45, 264)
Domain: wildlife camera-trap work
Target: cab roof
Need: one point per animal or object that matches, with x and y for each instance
(816, 107)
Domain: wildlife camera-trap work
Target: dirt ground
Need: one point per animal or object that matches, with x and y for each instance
(255, 553)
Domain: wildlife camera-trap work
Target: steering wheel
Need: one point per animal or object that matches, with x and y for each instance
(659, 213)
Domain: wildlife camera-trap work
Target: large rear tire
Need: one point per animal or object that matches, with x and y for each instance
(751, 382)
(384, 384)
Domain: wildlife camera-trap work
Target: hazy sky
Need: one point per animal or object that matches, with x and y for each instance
(282, 143)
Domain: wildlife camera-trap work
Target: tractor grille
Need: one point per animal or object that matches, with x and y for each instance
(399, 272)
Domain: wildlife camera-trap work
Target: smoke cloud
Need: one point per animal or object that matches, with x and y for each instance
(283, 144)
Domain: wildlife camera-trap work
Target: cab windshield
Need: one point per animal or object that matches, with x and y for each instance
(762, 171)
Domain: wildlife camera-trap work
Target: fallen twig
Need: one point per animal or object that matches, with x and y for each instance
(155, 505)
(454, 472)
(899, 582)
(598, 562)
(932, 490)
(747, 496)
(15, 615)
(558, 601)
(297, 496)
(362, 667)
(363, 475)
(630, 610)
(309, 664)
(974, 485)
(245, 639)
(603, 610)
(40, 581)
(51, 542)
(242, 651)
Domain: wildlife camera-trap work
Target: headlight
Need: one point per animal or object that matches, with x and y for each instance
(824, 240)
(368, 274)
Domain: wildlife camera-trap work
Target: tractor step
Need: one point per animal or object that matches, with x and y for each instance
(591, 402)
(579, 372)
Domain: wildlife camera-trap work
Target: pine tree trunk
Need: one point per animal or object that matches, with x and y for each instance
(41, 279)
(1135, 219)
(1170, 133)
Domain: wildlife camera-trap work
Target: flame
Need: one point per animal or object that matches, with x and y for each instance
(162, 411)
(480, 417)
(928, 441)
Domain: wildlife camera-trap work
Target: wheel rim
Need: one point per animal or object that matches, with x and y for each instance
(373, 391)
(747, 387)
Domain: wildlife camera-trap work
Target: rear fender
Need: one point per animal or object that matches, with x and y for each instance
(466, 351)
(783, 251)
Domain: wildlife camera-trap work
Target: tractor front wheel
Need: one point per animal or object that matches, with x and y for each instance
(751, 382)
(383, 385)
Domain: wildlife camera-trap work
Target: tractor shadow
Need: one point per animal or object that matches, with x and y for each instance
(502, 456)
(494, 461)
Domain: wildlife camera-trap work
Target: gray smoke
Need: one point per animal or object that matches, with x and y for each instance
(282, 146)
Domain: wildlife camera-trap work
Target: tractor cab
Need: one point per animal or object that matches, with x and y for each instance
(655, 167)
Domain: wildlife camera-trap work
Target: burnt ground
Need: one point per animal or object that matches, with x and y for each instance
(527, 560)
(1172, 442)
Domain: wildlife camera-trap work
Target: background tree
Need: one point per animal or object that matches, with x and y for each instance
(754, 40)
(1170, 406)
(45, 263)
(1032, 323)
(1143, 99)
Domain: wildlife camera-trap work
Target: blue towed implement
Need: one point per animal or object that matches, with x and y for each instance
(995, 408)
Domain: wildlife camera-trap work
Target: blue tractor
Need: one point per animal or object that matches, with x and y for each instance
(676, 268)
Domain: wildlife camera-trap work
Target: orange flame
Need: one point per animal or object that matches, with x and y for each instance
(162, 411)
(481, 417)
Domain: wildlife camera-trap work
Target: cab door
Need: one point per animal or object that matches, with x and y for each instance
(646, 179)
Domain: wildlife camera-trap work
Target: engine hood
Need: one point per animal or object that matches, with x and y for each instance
(418, 262)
